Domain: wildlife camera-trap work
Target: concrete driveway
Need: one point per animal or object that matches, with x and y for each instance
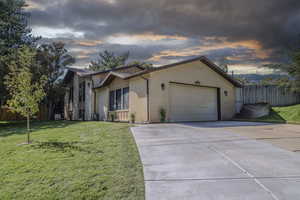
(215, 161)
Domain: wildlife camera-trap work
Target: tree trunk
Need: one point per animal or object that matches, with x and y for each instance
(28, 129)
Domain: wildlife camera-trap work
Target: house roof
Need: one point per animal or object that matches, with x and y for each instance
(203, 59)
(78, 70)
(109, 78)
(88, 73)
(116, 69)
(114, 73)
(72, 70)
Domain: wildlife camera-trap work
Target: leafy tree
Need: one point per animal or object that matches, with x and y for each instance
(282, 81)
(145, 65)
(243, 80)
(291, 67)
(25, 94)
(108, 60)
(53, 58)
(14, 32)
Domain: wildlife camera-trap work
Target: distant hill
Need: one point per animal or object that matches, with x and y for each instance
(256, 78)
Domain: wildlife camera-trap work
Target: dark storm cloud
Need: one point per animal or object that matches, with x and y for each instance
(273, 23)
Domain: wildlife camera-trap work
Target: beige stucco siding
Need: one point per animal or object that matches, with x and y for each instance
(118, 83)
(75, 104)
(89, 99)
(188, 73)
(138, 99)
(102, 103)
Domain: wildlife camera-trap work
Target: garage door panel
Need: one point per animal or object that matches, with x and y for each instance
(192, 103)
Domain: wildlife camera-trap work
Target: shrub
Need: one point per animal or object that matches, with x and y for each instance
(132, 118)
(162, 113)
(112, 116)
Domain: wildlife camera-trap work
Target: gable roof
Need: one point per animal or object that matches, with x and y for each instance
(203, 59)
(88, 73)
(71, 71)
(109, 78)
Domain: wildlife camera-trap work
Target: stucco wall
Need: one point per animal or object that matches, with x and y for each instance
(189, 73)
(118, 83)
(138, 99)
(75, 104)
(67, 104)
(102, 102)
(89, 97)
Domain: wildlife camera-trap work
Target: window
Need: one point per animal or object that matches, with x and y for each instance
(119, 99)
(82, 92)
(125, 98)
(112, 100)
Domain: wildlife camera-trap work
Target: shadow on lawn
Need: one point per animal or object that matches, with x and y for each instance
(273, 116)
(19, 127)
(61, 146)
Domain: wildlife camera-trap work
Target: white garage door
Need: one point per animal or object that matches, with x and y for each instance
(192, 103)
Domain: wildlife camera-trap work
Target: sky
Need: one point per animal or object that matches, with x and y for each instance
(245, 34)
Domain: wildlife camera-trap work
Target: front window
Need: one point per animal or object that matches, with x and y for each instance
(125, 98)
(82, 92)
(119, 99)
(112, 100)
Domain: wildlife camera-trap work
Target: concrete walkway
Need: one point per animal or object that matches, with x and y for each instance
(209, 161)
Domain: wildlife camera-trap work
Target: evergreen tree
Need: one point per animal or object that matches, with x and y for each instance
(108, 60)
(14, 32)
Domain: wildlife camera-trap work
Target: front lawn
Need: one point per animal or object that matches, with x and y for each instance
(69, 160)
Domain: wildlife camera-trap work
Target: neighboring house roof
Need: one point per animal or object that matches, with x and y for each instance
(203, 59)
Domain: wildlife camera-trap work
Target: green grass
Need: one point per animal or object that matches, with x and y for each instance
(69, 160)
(287, 114)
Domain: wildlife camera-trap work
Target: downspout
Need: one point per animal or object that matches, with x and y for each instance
(148, 103)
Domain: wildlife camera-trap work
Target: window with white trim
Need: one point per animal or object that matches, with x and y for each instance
(119, 99)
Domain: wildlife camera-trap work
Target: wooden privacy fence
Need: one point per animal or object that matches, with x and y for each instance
(274, 95)
(6, 115)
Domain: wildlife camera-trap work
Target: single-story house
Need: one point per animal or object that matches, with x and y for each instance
(191, 90)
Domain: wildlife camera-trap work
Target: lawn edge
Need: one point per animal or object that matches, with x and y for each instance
(266, 121)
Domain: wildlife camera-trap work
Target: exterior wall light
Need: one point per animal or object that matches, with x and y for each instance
(162, 86)
(226, 93)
